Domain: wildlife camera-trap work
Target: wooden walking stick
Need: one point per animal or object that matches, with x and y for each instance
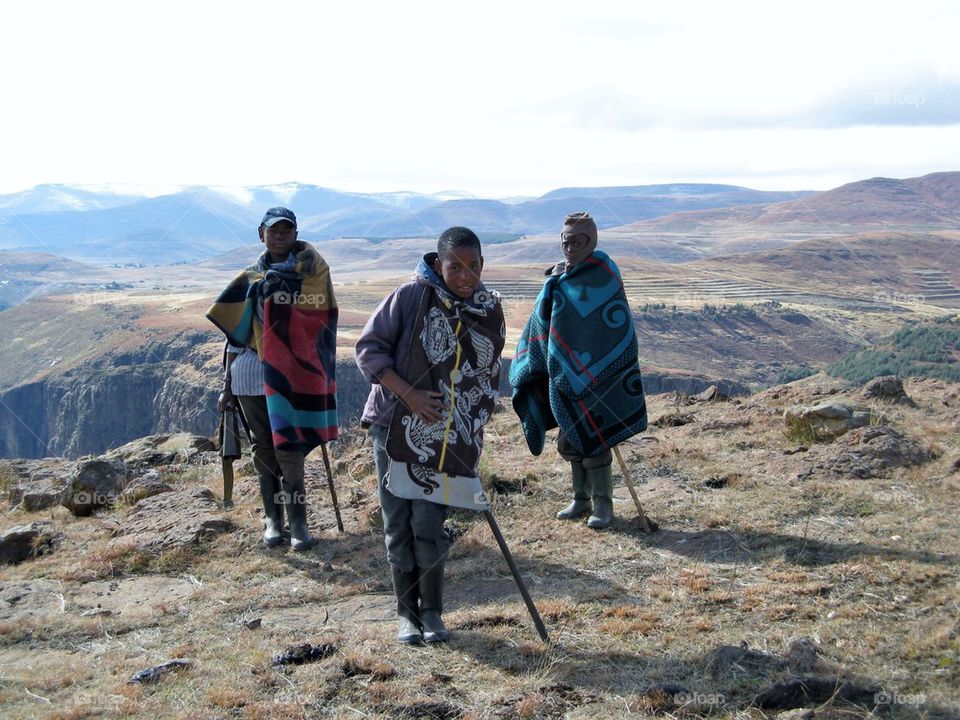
(541, 629)
(633, 493)
(333, 490)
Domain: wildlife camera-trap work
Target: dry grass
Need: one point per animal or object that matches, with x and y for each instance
(751, 551)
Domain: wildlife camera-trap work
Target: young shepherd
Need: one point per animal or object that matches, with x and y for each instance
(576, 367)
(280, 319)
(432, 352)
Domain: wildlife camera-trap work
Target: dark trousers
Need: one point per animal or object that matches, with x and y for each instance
(415, 537)
(280, 471)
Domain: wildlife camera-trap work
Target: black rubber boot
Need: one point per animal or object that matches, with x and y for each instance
(431, 604)
(601, 479)
(581, 504)
(295, 499)
(272, 511)
(407, 592)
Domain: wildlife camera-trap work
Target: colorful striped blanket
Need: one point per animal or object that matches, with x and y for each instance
(576, 363)
(288, 312)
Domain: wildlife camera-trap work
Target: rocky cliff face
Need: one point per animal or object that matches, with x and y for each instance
(170, 387)
(112, 400)
(163, 389)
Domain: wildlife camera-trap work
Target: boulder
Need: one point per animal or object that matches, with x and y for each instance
(164, 449)
(172, 519)
(93, 484)
(871, 452)
(34, 484)
(711, 394)
(24, 541)
(886, 387)
(828, 420)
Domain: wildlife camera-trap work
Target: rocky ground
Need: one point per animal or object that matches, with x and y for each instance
(803, 567)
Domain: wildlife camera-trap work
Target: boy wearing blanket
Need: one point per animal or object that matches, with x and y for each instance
(280, 319)
(576, 367)
(432, 353)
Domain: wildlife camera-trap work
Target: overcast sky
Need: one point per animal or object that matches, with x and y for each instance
(493, 98)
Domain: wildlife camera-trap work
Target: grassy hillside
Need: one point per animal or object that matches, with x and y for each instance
(767, 565)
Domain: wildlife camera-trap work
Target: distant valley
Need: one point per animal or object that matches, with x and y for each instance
(96, 348)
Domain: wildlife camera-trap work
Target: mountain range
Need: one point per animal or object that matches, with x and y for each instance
(112, 226)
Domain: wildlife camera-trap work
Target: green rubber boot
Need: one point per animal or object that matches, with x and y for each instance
(601, 480)
(581, 504)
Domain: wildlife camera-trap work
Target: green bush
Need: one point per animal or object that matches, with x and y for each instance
(930, 349)
(794, 373)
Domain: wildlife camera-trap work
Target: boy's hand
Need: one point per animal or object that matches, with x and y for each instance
(226, 401)
(424, 404)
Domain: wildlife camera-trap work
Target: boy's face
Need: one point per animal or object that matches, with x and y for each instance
(278, 238)
(460, 269)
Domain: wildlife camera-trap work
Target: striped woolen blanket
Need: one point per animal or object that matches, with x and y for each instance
(576, 363)
(288, 313)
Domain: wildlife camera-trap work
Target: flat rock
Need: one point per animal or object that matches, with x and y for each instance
(711, 394)
(35, 484)
(172, 519)
(24, 599)
(140, 599)
(163, 449)
(135, 599)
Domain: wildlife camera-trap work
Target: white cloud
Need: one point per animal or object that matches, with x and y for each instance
(495, 99)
